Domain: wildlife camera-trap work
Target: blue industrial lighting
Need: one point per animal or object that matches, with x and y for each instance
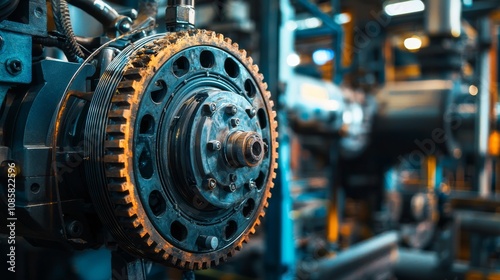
(322, 56)
(396, 8)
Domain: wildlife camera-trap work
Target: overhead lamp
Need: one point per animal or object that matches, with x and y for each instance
(343, 18)
(396, 8)
(413, 43)
(293, 60)
(322, 56)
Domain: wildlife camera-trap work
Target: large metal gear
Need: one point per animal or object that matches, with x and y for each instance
(189, 152)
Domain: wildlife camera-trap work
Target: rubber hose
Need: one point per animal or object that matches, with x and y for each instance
(63, 24)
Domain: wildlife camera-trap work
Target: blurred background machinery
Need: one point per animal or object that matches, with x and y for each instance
(388, 138)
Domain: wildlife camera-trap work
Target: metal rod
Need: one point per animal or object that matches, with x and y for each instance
(338, 33)
(479, 222)
(105, 14)
(483, 183)
(375, 255)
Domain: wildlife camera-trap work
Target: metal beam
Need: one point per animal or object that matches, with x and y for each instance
(337, 32)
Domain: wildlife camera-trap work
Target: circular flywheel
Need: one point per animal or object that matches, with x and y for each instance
(181, 147)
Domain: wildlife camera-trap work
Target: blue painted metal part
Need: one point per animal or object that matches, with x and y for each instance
(336, 30)
(279, 240)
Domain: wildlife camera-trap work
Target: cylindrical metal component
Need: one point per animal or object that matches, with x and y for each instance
(105, 14)
(482, 131)
(244, 149)
(368, 258)
(208, 242)
(443, 18)
(479, 222)
(425, 265)
(180, 15)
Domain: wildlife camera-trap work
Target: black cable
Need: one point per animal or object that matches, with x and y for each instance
(63, 24)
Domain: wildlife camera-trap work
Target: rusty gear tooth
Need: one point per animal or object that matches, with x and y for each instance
(116, 128)
(133, 74)
(124, 211)
(118, 187)
(116, 173)
(120, 114)
(122, 199)
(120, 143)
(243, 54)
(123, 99)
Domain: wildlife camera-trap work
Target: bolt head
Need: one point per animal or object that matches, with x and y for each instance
(235, 122)
(251, 112)
(214, 145)
(251, 185)
(209, 108)
(231, 110)
(231, 187)
(14, 66)
(211, 184)
(208, 242)
(233, 177)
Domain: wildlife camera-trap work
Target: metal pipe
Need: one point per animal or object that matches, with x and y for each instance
(180, 15)
(105, 14)
(479, 222)
(482, 132)
(425, 265)
(338, 32)
(443, 18)
(368, 258)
